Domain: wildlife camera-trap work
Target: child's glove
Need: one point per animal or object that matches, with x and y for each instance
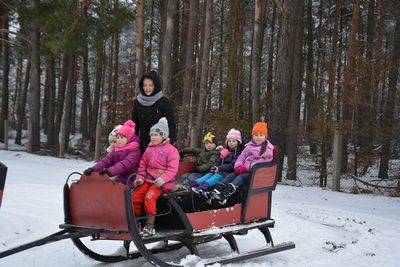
(224, 153)
(219, 148)
(138, 182)
(214, 169)
(103, 171)
(240, 169)
(88, 171)
(159, 181)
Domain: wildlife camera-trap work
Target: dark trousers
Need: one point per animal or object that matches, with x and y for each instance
(237, 179)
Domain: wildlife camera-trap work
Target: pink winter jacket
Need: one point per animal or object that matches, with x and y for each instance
(251, 155)
(159, 161)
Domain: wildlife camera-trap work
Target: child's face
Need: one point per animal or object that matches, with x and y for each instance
(121, 140)
(156, 138)
(258, 138)
(148, 86)
(232, 143)
(209, 146)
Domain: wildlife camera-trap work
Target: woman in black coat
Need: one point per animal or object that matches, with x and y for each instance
(150, 106)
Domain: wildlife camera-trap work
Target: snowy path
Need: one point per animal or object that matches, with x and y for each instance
(328, 228)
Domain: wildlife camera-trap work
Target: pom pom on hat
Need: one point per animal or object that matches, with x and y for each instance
(234, 134)
(161, 127)
(260, 128)
(128, 129)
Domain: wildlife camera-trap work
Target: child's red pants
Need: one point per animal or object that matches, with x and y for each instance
(147, 193)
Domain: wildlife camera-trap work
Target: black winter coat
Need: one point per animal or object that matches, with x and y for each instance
(227, 164)
(145, 117)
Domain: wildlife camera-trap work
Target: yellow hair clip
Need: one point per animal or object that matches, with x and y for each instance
(209, 137)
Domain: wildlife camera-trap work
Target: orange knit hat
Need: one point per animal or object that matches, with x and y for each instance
(261, 128)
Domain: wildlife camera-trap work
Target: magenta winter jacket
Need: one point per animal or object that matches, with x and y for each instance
(122, 161)
(159, 161)
(251, 155)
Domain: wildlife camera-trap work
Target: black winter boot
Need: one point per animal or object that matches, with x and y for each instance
(217, 190)
(220, 187)
(229, 191)
(149, 230)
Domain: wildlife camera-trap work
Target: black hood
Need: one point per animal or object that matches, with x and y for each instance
(152, 75)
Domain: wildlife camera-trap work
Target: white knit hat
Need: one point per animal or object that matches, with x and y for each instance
(161, 127)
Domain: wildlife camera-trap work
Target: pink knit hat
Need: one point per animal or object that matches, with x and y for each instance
(234, 134)
(128, 129)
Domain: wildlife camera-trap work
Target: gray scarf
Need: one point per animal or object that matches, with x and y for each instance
(148, 101)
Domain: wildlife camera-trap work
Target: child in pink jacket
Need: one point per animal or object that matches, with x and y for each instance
(155, 175)
(258, 150)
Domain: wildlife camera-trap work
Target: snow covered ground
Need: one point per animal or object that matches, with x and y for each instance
(328, 228)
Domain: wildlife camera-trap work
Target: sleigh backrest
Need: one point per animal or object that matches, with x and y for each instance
(263, 182)
(96, 201)
(3, 174)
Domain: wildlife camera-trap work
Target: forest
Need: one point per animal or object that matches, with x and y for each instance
(311, 69)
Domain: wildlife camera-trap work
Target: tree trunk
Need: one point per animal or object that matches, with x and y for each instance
(379, 66)
(139, 63)
(310, 106)
(68, 103)
(86, 102)
(110, 74)
(366, 117)
(167, 45)
(115, 77)
(96, 97)
(242, 98)
(18, 82)
(349, 81)
(270, 67)
(22, 104)
(387, 129)
(258, 36)
(5, 80)
(281, 93)
(204, 72)
(150, 48)
(187, 79)
(34, 99)
(332, 69)
(74, 95)
(163, 15)
(175, 83)
(61, 92)
(231, 81)
(51, 136)
(221, 56)
(296, 23)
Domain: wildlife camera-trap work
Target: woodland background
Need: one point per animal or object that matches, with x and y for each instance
(309, 68)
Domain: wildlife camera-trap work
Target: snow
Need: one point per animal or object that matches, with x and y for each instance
(328, 228)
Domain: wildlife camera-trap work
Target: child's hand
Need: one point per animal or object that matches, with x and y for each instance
(267, 156)
(220, 147)
(224, 153)
(159, 181)
(137, 182)
(88, 171)
(103, 171)
(240, 169)
(214, 169)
